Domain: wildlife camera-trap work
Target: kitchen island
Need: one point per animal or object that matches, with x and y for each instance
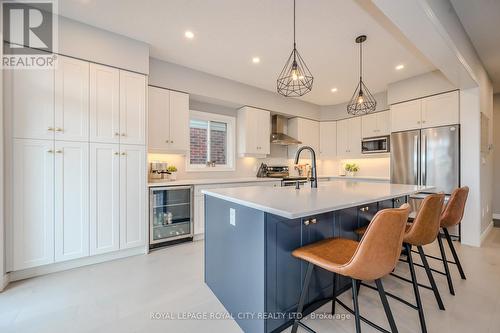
(250, 233)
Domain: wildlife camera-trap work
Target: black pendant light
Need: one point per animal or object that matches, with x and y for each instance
(362, 100)
(295, 79)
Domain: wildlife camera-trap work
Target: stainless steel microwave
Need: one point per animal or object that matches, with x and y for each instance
(376, 145)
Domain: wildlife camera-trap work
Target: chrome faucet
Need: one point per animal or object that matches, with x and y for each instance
(314, 176)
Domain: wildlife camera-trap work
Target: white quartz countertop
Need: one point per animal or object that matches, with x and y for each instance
(329, 196)
(210, 181)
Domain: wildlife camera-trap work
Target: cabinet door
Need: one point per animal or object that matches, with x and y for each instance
(179, 121)
(71, 200)
(104, 104)
(132, 108)
(104, 198)
(264, 132)
(72, 100)
(369, 125)
(383, 123)
(29, 103)
(158, 119)
(33, 203)
(440, 110)
(327, 139)
(406, 116)
(306, 131)
(354, 136)
(132, 196)
(343, 137)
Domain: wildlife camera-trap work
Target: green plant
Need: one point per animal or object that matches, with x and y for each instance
(172, 168)
(351, 167)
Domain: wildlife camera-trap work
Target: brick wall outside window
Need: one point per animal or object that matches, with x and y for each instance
(218, 145)
(198, 145)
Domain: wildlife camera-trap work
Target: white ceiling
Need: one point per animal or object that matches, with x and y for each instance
(481, 20)
(228, 33)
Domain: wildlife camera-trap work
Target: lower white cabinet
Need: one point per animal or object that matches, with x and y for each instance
(132, 196)
(71, 200)
(104, 198)
(32, 210)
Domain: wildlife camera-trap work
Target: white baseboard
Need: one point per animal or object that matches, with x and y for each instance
(486, 232)
(4, 281)
(198, 237)
(62, 266)
(496, 216)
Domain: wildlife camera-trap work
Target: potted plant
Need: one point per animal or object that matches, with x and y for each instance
(173, 172)
(351, 169)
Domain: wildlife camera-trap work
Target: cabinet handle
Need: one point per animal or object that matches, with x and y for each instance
(171, 141)
(58, 151)
(117, 134)
(313, 221)
(423, 121)
(124, 153)
(50, 129)
(124, 134)
(418, 122)
(116, 153)
(58, 129)
(50, 151)
(306, 222)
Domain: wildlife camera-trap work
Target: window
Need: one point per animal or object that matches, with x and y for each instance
(211, 142)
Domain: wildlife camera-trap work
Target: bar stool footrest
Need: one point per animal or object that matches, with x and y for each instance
(372, 324)
(409, 281)
(397, 298)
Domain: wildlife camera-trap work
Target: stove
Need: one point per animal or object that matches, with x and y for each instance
(282, 172)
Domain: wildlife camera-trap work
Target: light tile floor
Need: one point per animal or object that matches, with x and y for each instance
(120, 296)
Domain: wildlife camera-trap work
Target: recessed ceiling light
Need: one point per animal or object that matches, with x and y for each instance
(334, 90)
(400, 67)
(189, 34)
(255, 60)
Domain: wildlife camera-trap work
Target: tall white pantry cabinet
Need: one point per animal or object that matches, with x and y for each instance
(76, 139)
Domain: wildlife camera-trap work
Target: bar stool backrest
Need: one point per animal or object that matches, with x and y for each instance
(380, 247)
(454, 211)
(425, 227)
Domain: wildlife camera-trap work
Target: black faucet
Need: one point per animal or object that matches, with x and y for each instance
(314, 176)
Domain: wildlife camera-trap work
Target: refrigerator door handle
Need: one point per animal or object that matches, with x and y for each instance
(415, 158)
(424, 160)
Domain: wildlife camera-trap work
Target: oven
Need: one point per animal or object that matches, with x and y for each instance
(375, 145)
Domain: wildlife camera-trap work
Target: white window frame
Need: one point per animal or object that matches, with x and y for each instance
(231, 142)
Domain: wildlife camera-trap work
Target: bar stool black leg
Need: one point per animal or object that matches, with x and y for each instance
(415, 289)
(334, 298)
(356, 305)
(302, 299)
(387, 308)
(430, 277)
(454, 253)
(446, 267)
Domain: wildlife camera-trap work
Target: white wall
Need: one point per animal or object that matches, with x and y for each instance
(496, 156)
(207, 86)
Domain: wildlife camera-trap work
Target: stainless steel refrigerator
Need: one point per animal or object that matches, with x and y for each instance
(428, 156)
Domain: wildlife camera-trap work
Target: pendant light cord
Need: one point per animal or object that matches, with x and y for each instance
(361, 61)
(294, 45)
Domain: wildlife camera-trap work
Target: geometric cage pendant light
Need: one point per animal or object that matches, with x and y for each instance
(295, 79)
(362, 101)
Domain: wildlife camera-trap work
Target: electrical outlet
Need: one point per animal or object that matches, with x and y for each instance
(232, 216)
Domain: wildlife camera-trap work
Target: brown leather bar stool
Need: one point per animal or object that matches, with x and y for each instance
(424, 230)
(372, 258)
(452, 216)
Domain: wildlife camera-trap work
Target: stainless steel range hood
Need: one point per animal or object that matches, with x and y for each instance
(277, 136)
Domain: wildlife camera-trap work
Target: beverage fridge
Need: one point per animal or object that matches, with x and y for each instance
(429, 157)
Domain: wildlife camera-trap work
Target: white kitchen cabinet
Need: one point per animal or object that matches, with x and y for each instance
(327, 139)
(375, 124)
(254, 132)
(440, 110)
(132, 108)
(132, 196)
(104, 104)
(168, 121)
(71, 200)
(29, 103)
(104, 198)
(32, 211)
(306, 131)
(349, 137)
(71, 117)
(406, 116)
(199, 214)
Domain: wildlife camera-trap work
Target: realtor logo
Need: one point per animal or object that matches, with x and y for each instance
(29, 34)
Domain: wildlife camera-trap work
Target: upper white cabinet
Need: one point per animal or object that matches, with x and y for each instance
(32, 208)
(71, 200)
(132, 108)
(438, 110)
(168, 120)
(29, 103)
(328, 139)
(104, 104)
(306, 131)
(376, 124)
(71, 120)
(349, 137)
(254, 132)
